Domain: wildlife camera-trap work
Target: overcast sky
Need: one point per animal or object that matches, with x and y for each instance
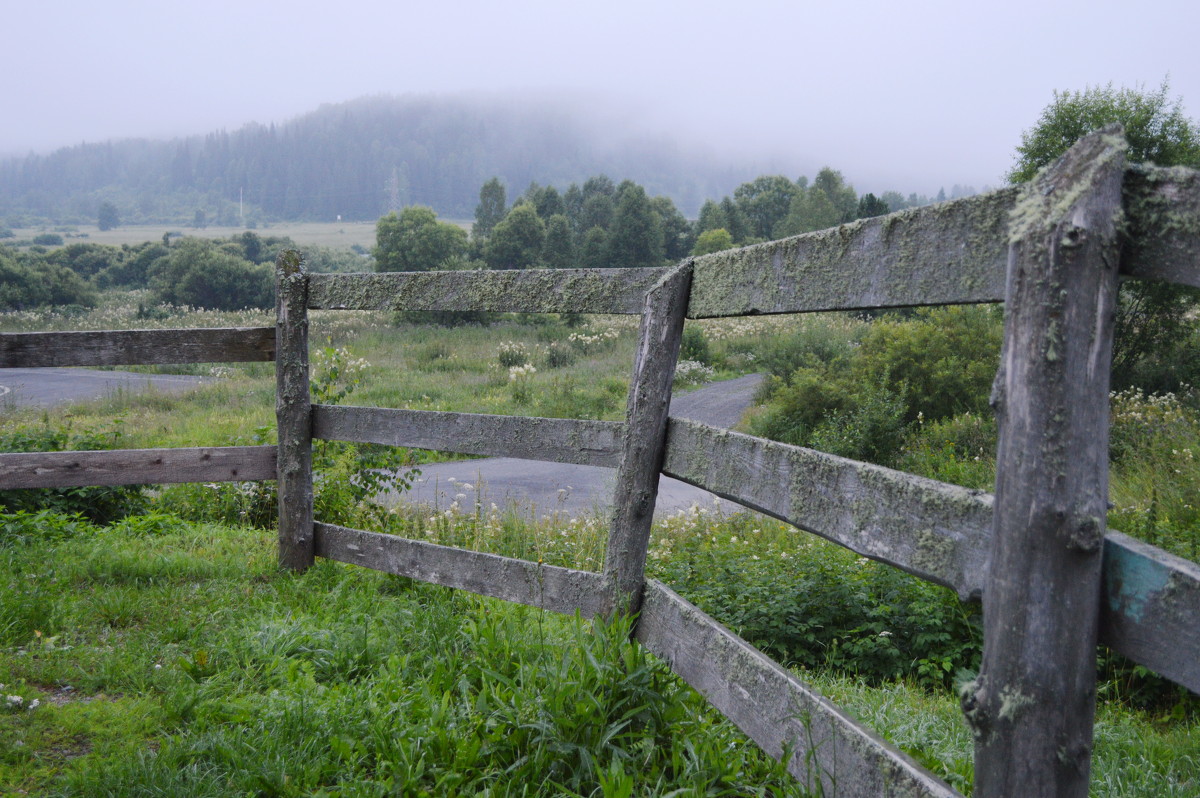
(908, 96)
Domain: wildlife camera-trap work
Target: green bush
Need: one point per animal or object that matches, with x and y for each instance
(959, 450)
(86, 260)
(102, 505)
(200, 274)
(809, 603)
(30, 281)
(857, 392)
(48, 240)
(694, 345)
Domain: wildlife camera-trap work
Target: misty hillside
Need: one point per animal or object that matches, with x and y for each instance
(356, 159)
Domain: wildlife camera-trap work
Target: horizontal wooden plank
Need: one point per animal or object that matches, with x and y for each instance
(136, 467)
(532, 291)
(132, 347)
(1151, 608)
(561, 590)
(1162, 209)
(830, 752)
(940, 532)
(936, 531)
(951, 252)
(557, 440)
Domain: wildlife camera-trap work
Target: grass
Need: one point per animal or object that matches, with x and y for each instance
(435, 691)
(342, 235)
(183, 663)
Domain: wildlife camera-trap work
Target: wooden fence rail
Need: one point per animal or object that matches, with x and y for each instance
(132, 347)
(1052, 250)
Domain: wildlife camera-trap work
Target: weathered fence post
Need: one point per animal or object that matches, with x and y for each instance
(293, 413)
(645, 437)
(1033, 704)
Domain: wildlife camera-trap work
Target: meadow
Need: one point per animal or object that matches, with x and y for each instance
(338, 235)
(162, 653)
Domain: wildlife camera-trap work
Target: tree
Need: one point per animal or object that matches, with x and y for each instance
(828, 202)
(736, 221)
(676, 229)
(415, 241)
(86, 260)
(558, 252)
(546, 199)
(1155, 128)
(593, 250)
(492, 206)
(201, 273)
(765, 202)
(869, 205)
(108, 217)
(636, 237)
(1156, 327)
(597, 211)
(517, 241)
(30, 281)
(842, 196)
(713, 241)
(712, 217)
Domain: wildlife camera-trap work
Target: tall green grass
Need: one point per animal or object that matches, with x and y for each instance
(174, 659)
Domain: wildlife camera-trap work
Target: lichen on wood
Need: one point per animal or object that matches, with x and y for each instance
(933, 530)
(532, 291)
(953, 252)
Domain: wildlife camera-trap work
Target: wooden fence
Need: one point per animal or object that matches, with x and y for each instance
(1053, 582)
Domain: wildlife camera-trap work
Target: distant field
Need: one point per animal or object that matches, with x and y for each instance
(341, 235)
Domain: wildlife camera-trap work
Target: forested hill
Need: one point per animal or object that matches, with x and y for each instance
(357, 159)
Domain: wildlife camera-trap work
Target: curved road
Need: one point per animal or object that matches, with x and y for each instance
(530, 486)
(540, 489)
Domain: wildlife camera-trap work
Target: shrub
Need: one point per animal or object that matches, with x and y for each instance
(857, 391)
(559, 355)
(29, 281)
(692, 372)
(48, 240)
(694, 345)
(959, 450)
(86, 260)
(101, 505)
(199, 274)
(807, 602)
(512, 353)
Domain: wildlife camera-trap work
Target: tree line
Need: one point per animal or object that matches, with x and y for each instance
(356, 160)
(219, 274)
(603, 224)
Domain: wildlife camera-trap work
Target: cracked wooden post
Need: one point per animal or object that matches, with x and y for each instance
(645, 438)
(1033, 704)
(293, 413)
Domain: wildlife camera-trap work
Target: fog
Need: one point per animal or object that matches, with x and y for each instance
(905, 96)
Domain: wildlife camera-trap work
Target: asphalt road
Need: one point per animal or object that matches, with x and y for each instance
(540, 489)
(45, 387)
(534, 487)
